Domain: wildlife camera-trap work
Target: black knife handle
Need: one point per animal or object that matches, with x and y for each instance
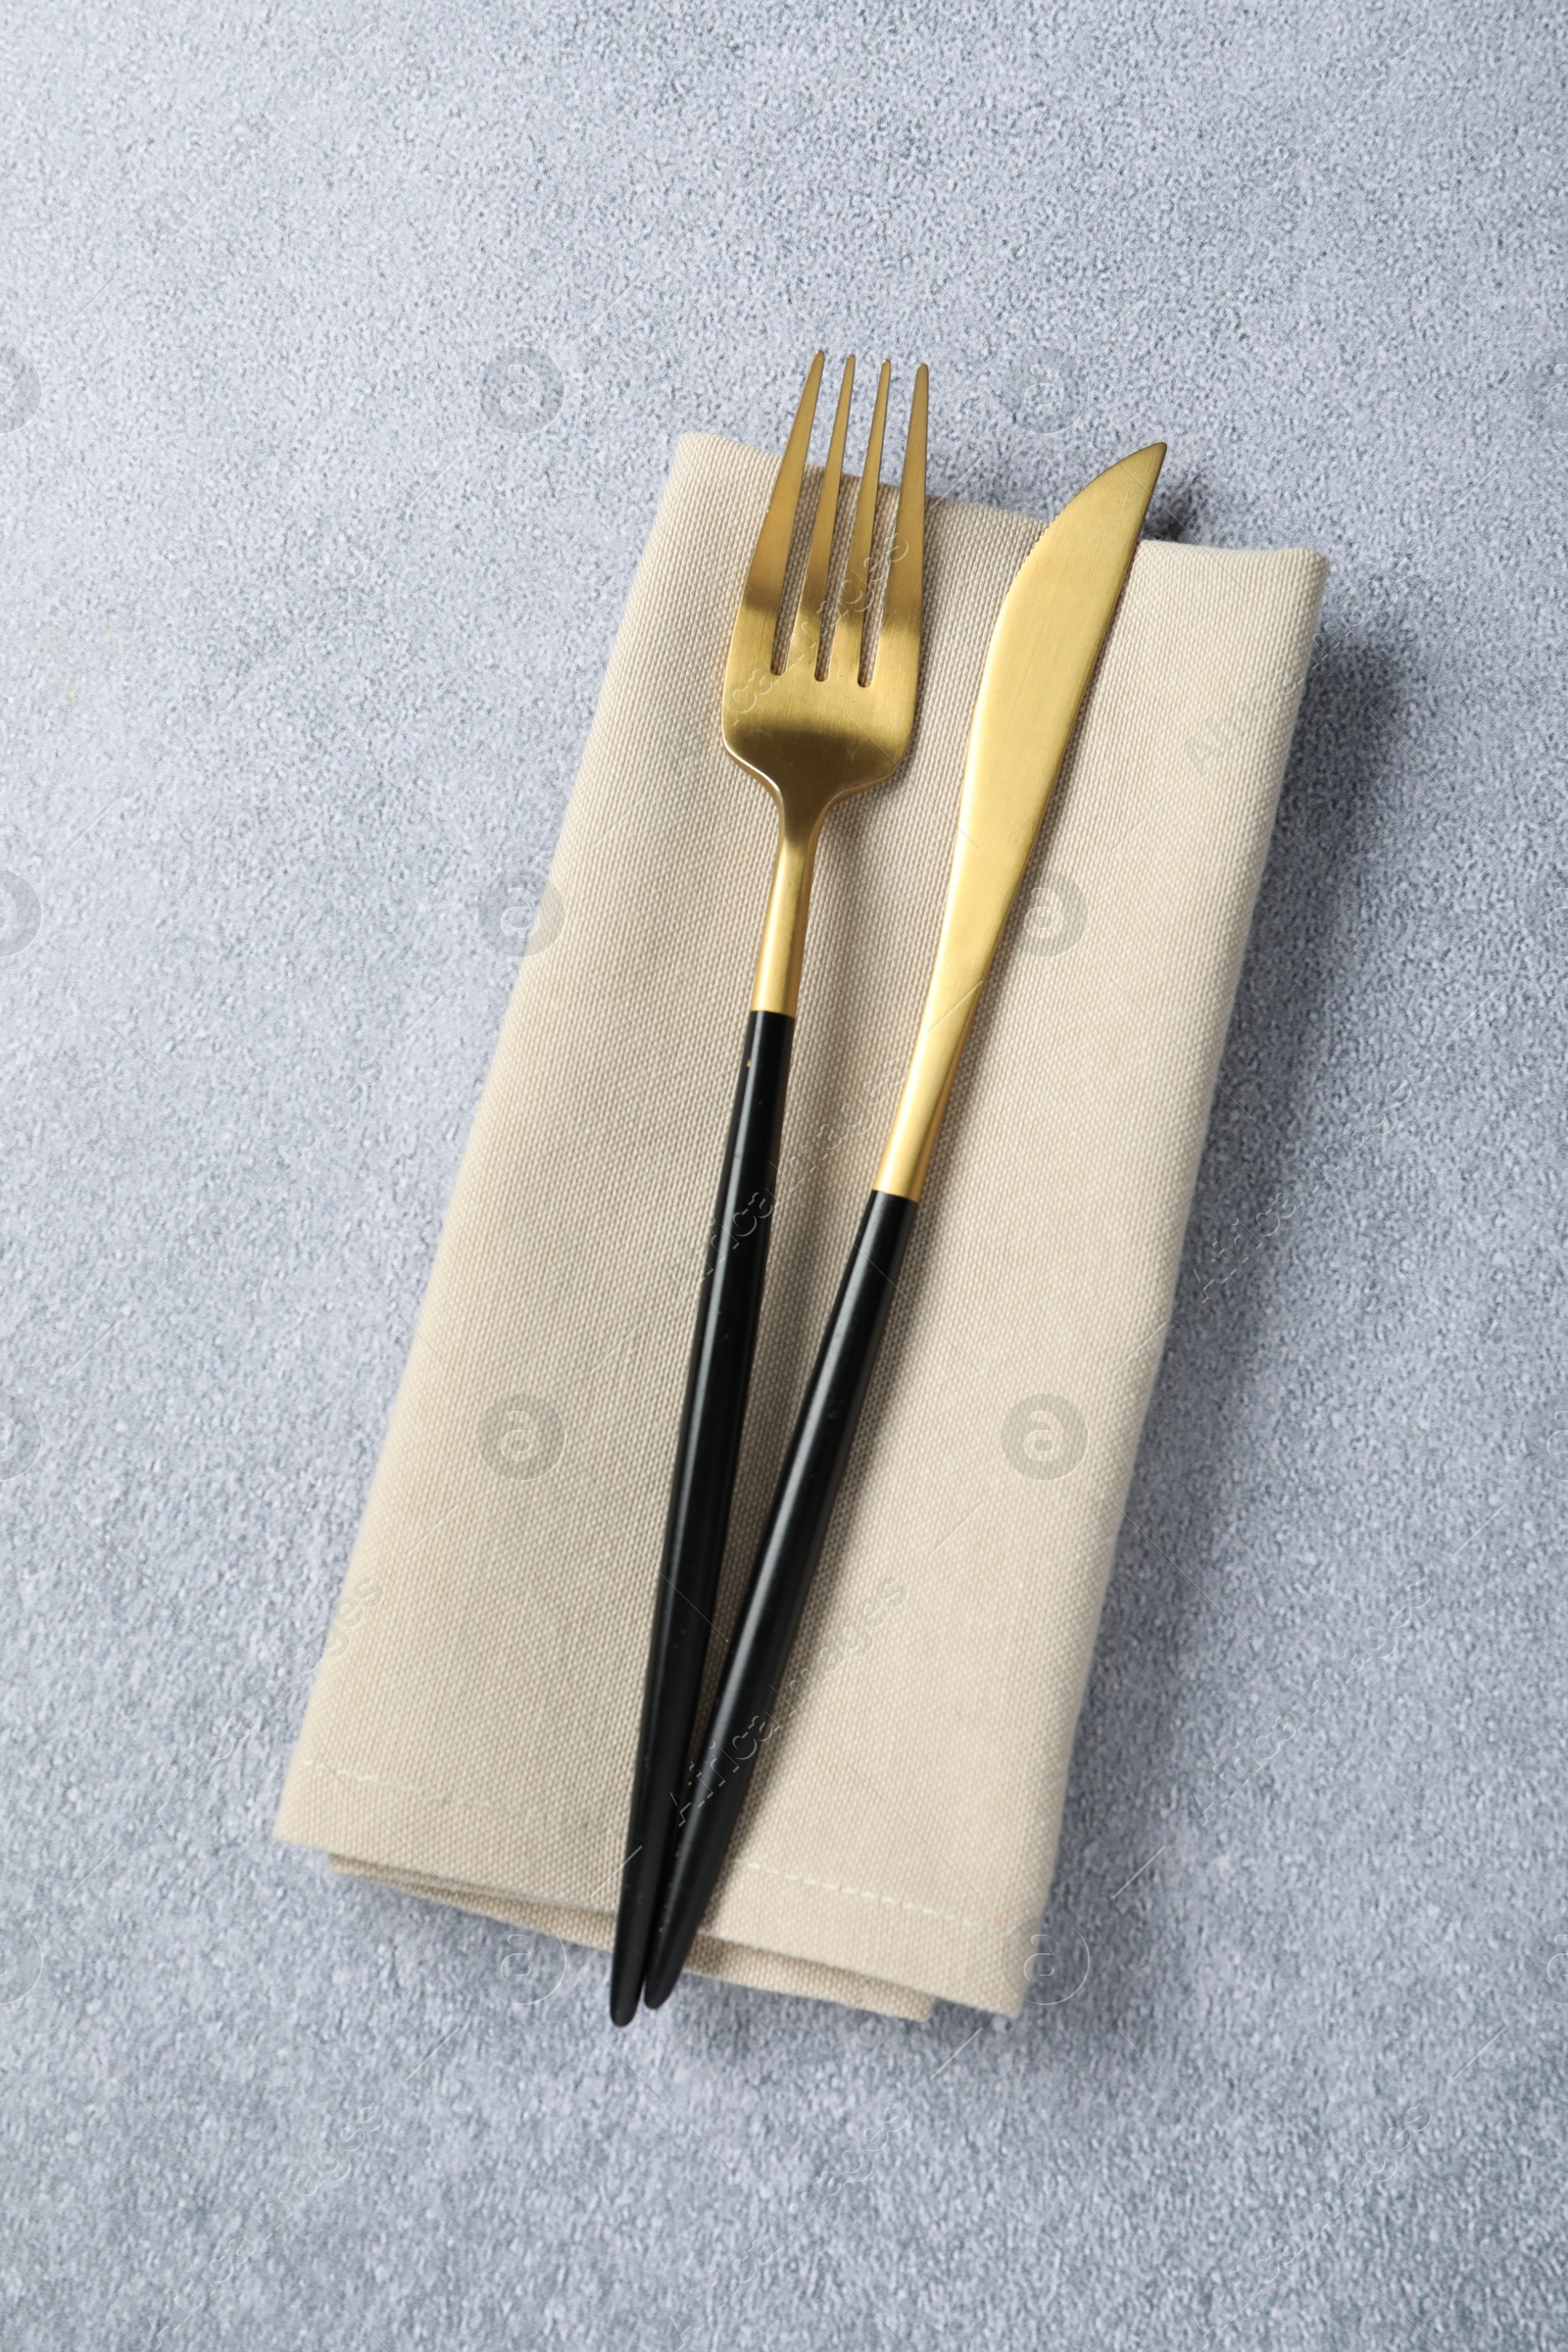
(746, 1707)
(706, 1455)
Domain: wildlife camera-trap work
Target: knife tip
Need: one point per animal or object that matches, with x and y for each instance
(1141, 468)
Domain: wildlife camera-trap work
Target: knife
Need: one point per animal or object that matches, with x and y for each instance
(1043, 651)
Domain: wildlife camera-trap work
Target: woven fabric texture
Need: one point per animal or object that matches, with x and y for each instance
(469, 1734)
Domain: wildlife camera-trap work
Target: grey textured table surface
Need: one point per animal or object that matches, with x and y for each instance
(341, 363)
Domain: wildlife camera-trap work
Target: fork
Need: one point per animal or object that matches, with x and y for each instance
(814, 731)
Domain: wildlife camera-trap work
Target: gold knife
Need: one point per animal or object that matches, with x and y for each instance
(1042, 651)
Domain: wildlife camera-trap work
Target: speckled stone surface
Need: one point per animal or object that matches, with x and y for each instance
(340, 357)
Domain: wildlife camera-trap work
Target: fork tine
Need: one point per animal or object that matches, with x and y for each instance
(805, 637)
(845, 663)
(756, 622)
(898, 644)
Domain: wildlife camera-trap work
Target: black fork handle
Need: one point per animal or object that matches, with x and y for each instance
(705, 1456)
(748, 1705)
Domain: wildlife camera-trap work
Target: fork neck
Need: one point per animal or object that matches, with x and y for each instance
(783, 947)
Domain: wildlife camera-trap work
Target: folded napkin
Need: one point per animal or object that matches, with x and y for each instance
(469, 1734)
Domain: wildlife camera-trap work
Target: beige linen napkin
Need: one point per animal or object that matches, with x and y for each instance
(469, 1734)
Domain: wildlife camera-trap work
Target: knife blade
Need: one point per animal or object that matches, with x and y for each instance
(1041, 655)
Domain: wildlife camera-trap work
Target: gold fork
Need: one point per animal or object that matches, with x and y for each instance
(811, 738)
(814, 731)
